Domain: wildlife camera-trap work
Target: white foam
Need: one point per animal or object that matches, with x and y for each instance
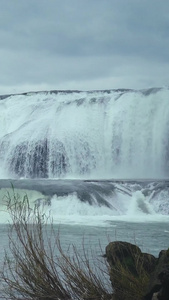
(128, 202)
(70, 210)
(139, 205)
(103, 135)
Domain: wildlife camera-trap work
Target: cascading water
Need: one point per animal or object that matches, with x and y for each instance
(80, 157)
(97, 134)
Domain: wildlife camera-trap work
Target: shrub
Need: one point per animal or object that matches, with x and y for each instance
(36, 267)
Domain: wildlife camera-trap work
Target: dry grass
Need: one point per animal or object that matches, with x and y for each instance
(36, 267)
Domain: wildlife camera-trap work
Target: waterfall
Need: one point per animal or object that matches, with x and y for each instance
(94, 134)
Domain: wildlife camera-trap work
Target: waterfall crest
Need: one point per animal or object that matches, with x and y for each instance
(95, 134)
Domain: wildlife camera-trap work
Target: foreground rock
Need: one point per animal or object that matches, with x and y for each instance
(136, 275)
(158, 287)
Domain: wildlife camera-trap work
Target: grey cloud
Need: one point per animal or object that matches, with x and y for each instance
(63, 41)
(86, 27)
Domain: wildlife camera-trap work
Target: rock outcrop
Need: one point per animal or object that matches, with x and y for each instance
(158, 287)
(136, 275)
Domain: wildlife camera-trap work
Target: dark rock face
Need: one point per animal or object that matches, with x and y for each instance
(159, 280)
(129, 270)
(126, 253)
(135, 275)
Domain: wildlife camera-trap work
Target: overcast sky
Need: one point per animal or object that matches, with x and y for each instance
(83, 44)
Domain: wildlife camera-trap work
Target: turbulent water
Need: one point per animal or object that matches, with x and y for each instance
(94, 203)
(97, 134)
(96, 162)
(66, 150)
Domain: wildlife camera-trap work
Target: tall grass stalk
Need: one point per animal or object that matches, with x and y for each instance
(36, 267)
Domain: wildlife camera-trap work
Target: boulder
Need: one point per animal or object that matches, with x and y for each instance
(130, 270)
(158, 287)
(135, 275)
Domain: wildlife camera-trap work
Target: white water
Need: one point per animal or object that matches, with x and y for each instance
(91, 135)
(113, 134)
(135, 208)
(85, 135)
(129, 202)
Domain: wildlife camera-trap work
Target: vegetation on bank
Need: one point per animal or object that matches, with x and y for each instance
(36, 267)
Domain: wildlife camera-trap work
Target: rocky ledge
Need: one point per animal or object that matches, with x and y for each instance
(136, 275)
